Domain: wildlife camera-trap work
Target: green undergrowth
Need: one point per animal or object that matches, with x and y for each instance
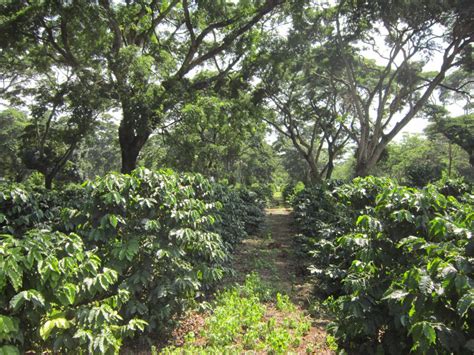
(252, 316)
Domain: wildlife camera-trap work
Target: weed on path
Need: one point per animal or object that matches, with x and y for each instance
(263, 308)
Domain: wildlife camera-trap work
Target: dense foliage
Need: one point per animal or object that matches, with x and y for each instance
(417, 161)
(56, 294)
(124, 251)
(269, 100)
(396, 263)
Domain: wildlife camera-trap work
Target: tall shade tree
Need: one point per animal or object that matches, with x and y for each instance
(99, 152)
(61, 116)
(145, 53)
(416, 160)
(12, 124)
(458, 130)
(301, 107)
(216, 133)
(387, 93)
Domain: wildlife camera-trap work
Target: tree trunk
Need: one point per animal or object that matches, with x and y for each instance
(314, 175)
(48, 181)
(361, 169)
(131, 145)
(129, 158)
(450, 156)
(365, 164)
(330, 169)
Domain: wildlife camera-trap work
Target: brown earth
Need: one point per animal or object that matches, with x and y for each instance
(273, 257)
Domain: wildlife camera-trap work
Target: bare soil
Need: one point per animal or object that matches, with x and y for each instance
(272, 255)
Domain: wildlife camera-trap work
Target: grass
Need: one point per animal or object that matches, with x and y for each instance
(249, 317)
(255, 312)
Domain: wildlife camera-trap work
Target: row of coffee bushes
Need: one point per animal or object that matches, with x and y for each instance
(396, 264)
(86, 267)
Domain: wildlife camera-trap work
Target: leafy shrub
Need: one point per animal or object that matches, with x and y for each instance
(454, 187)
(156, 230)
(231, 217)
(23, 208)
(292, 190)
(57, 295)
(157, 241)
(263, 192)
(254, 215)
(419, 174)
(20, 210)
(398, 265)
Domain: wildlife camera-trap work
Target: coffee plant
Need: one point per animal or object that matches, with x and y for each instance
(397, 263)
(86, 267)
(23, 208)
(57, 295)
(156, 230)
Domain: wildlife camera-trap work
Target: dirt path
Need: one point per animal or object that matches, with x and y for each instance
(273, 256)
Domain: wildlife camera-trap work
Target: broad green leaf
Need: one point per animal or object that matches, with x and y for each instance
(29, 295)
(465, 303)
(113, 220)
(461, 283)
(14, 273)
(426, 285)
(429, 332)
(8, 325)
(68, 294)
(395, 295)
(48, 326)
(46, 329)
(9, 350)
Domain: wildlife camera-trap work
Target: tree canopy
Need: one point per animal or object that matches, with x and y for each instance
(207, 81)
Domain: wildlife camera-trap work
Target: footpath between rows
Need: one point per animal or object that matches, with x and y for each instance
(265, 307)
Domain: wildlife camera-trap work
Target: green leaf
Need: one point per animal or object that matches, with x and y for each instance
(426, 285)
(8, 325)
(14, 273)
(48, 326)
(438, 227)
(429, 333)
(29, 295)
(113, 220)
(67, 294)
(9, 350)
(461, 283)
(395, 295)
(465, 303)
(46, 329)
(422, 332)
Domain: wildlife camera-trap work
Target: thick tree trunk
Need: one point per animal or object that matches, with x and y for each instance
(361, 169)
(130, 146)
(364, 166)
(129, 158)
(330, 169)
(314, 175)
(48, 181)
(366, 163)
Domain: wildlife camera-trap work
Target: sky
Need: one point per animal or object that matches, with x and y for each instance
(417, 125)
